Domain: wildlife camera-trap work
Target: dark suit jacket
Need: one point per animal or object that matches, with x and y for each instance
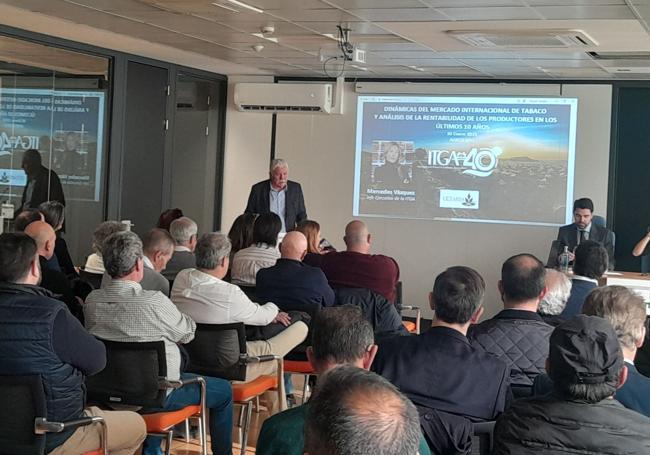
(259, 201)
(441, 370)
(180, 260)
(42, 192)
(58, 284)
(568, 236)
(579, 291)
(293, 282)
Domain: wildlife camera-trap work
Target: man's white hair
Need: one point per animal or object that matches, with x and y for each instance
(278, 162)
(182, 229)
(558, 292)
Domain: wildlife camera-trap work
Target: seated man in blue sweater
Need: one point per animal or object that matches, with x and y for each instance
(290, 283)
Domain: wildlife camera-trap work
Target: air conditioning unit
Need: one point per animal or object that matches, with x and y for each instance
(288, 98)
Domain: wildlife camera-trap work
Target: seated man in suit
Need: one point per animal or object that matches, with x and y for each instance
(440, 369)
(40, 337)
(558, 290)
(53, 280)
(357, 268)
(583, 229)
(279, 195)
(355, 411)
(158, 247)
(589, 266)
(202, 294)
(518, 335)
(124, 312)
(184, 232)
(586, 365)
(290, 283)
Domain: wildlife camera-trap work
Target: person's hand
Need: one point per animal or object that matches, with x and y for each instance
(283, 318)
(572, 256)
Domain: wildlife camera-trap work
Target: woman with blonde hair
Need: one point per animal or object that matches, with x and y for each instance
(316, 246)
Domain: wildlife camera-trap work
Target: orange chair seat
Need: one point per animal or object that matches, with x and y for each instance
(160, 421)
(409, 325)
(95, 452)
(249, 390)
(298, 366)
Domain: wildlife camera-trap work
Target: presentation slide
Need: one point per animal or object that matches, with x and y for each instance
(66, 126)
(475, 159)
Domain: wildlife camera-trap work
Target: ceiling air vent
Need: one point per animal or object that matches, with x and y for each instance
(523, 38)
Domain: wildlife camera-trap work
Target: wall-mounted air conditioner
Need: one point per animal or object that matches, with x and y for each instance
(287, 98)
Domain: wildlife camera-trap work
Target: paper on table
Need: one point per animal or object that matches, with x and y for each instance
(613, 273)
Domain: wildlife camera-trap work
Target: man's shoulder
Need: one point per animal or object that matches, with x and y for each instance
(260, 185)
(291, 419)
(293, 184)
(567, 228)
(283, 433)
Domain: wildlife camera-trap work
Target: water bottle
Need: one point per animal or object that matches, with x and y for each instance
(564, 260)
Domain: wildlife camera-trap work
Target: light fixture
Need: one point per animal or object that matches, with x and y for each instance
(416, 68)
(225, 7)
(244, 5)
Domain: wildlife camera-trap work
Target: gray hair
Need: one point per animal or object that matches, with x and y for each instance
(103, 231)
(341, 334)
(356, 412)
(211, 249)
(120, 253)
(182, 229)
(558, 292)
(278, 162)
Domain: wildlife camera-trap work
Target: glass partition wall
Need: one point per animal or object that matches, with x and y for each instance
(53, 109)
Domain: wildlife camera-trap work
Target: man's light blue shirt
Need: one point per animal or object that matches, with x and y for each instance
(278, 203)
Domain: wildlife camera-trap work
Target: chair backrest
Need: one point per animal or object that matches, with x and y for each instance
(398, 297)
(93, 279)
(445, 432)
(22, 400)
(599, 221)
(553, 254)
(645, 263)
(132, 375)
(217, 349)
(484, 431)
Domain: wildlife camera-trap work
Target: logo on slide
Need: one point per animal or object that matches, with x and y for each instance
(17, 142)
(459, 199)
(480, 162)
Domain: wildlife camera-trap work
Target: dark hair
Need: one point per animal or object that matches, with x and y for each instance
(341, 334)
(457, 294)
(356, 412)
(33, 156)
(25, 218)
(166, 218)
(523, 277)
(591, 260)
(583, 203)
(17, 251)
(53, 212)
(266, 229)
(241, 232)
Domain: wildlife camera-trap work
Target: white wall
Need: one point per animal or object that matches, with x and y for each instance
(320, 152)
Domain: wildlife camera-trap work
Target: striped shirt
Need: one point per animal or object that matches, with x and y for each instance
(122, 311)
(249, 261)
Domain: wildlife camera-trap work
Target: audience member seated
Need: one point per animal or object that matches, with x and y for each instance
(158, 247)
(54, 215)
(25, 217)
(95, 263)
(558, 289)
(124, 312)
(40, 337)
(357, 268)
(311, 230)
(184, 232)
(440, 369)
(626, 312)
(586, 365)
(241, 232)
(202, 294)
(290, 283)
(357, 412)
(589, 265)
(167, 217)
(53, 280)
(517, 334)
(261, 254)
(376, 309)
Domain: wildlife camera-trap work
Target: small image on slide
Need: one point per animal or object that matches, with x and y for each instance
(392, 163)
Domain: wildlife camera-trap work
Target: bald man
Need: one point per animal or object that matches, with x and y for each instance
(357, 268)
(52, 280)
(291, 284)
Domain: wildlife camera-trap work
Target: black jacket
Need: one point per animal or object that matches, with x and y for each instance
(385, 320)
(47, 187)
(518, 337)
(441, 370)
(548, 425)
(259, 202)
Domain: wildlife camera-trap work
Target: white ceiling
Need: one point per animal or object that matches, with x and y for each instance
(403, 38)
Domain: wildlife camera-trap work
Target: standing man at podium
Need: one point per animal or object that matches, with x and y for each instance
(583, 229)
(279, 195)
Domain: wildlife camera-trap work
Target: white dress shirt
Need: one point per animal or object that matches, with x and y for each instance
(209, 300)
(247, 262)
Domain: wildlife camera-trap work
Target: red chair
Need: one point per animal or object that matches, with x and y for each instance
(302, 368)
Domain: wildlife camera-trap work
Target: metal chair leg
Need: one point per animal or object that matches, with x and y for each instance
(169, 437)
(247, 424)
(187, 430)
(305, 387)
